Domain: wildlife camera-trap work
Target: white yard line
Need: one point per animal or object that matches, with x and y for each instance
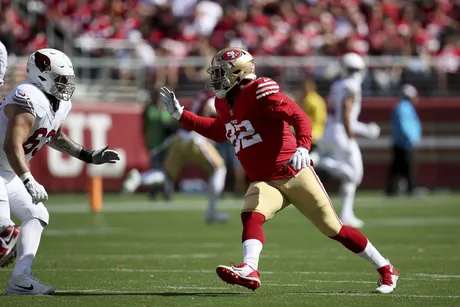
(410, 276)
(101, 291)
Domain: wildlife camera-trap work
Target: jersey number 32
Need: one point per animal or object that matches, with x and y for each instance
(242, 135)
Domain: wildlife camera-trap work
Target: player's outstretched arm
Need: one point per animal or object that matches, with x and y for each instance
(352, 128)
(212, 128)
(64, 144)
(20, 123)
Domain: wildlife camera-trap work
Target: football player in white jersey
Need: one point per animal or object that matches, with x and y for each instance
(3, 62)
(339, 150)
(30, 117)
(9, 232)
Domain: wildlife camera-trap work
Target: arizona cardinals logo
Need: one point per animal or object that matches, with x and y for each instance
(42, 61)
(231, 55)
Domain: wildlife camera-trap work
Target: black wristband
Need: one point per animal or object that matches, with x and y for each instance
(86, 155)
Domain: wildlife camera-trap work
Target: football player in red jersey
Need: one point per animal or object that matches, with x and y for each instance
(255, 115)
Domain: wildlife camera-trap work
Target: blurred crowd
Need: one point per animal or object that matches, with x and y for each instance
(424, 29)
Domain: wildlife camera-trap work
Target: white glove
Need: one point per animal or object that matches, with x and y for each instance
(171, 103)
(373, 131)
(300, 158)
(36, 190)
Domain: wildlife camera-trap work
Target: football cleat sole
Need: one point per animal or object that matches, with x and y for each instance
(232, 278)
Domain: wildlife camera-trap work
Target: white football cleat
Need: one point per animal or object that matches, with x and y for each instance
(8, 240)
(242, 275)
(388, 279)
(352, 221)
(26, 284)
(132, 181)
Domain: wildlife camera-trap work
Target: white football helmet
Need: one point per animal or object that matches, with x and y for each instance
(51, 70)
(352, 64)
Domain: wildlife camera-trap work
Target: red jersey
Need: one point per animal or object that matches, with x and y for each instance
(258, 127)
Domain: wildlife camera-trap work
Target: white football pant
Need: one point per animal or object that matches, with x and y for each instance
(341, 158)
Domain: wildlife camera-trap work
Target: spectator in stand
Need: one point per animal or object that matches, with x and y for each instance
(265, 27)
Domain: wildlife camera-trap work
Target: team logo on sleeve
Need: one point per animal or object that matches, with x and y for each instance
(231, 55)
(22, 98)
(42, 61)
(21, 95)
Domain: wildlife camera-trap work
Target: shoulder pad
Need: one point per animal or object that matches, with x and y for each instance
(22, 99)
(265, 87)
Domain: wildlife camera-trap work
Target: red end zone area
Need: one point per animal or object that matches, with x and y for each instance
(120, 126)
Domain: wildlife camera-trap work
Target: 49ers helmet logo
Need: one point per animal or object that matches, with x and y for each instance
(231, 55)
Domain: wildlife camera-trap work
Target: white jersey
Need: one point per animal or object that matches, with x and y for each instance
(340, 90)
(47, 122)
(3, 62)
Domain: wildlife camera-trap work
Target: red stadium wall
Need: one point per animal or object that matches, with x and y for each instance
(119, 125)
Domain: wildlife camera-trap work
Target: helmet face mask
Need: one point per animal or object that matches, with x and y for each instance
(62, 89)
(228, 67)
(219, 81)
(51, 70)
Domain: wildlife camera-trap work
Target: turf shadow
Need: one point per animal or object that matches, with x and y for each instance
(207, 294)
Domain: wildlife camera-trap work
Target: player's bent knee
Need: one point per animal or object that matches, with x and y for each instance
(266, 215)
(38, 212)
(326, 221)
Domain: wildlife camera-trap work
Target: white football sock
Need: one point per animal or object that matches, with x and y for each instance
(347, 195)
(27, 246)
(372, 255)
(216, 185)
(5, 220)
(251, 252)
(152, 177)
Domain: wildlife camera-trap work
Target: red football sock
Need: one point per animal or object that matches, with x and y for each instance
(352, 239)
(252, 226)
(253, 237)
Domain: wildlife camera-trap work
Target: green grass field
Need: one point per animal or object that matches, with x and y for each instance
(143, 253)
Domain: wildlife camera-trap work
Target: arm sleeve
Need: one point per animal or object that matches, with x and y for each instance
(280, 106)
(360, 128)
(212, 128)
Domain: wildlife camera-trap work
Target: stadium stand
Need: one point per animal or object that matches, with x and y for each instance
(427, 32)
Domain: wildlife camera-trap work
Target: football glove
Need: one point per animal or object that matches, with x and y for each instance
(171, 103)
(104, 155)
(36, 190)
(373, 131)
(300, 158)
